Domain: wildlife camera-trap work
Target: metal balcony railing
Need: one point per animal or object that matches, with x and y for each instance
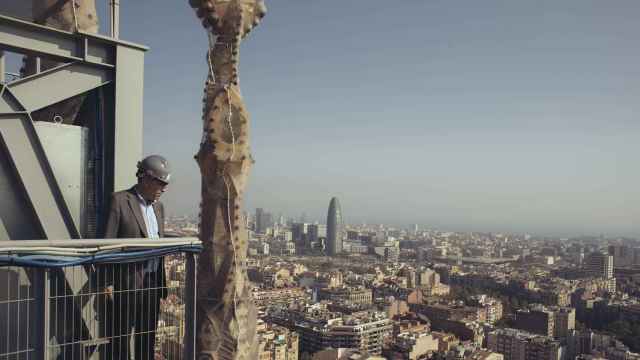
(98, 299)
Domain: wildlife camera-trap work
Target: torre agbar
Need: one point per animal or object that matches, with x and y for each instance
(334, 227)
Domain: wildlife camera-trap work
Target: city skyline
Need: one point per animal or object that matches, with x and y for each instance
(293, 219)
(496, 116)
(303, 218)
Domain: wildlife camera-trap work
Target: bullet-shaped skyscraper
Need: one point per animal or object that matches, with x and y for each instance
(334, 228)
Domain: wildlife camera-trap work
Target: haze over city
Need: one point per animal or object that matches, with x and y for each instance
(491, 116)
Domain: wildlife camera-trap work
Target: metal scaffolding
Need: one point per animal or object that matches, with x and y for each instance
(55, 176)
(111, 72)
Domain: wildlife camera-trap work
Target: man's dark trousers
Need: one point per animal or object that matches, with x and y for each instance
(135, 309)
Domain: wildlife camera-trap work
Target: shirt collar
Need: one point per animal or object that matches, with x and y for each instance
(142, 199)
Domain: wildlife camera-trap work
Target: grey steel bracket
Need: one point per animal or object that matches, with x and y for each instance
(21, 141)
(28, 38)
(49, 87)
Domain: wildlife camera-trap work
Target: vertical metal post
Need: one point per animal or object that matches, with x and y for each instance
(41, 327)
(114, 18)
(2, 70)
(190, 308)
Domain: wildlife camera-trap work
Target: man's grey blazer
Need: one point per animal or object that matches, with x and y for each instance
(125, 217)
(125, 221)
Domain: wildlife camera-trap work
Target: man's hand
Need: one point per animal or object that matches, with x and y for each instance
(108, 291)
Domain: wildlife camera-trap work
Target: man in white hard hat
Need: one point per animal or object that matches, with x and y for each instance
(138, 287)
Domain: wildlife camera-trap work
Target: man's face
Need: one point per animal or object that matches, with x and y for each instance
(151, 188)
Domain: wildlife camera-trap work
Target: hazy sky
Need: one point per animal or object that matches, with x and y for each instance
(461, 115)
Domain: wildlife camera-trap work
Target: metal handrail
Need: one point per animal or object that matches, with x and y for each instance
(42, 278)
(79, 243)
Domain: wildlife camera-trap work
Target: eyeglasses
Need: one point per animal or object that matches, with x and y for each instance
(159, 182)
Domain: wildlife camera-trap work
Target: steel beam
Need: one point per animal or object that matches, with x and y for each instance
(41, 326)
(18, 135)
(28, 38)
(2, 67)
(60, 83)
(18, 217)
(128, 116)
(4, 235)
(189, 340)
(8, 103)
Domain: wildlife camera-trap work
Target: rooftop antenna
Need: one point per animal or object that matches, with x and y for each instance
(114, 19)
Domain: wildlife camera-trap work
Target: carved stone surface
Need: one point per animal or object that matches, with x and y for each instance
(226, 314)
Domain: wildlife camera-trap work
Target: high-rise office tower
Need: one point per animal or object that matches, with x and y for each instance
(263, 221)
(537, 321)
(300, 234)
(599, 265)
(258, 221)
(334, 228)
(564, 322)
(267, 221)
(315, 232)
(622, 255)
